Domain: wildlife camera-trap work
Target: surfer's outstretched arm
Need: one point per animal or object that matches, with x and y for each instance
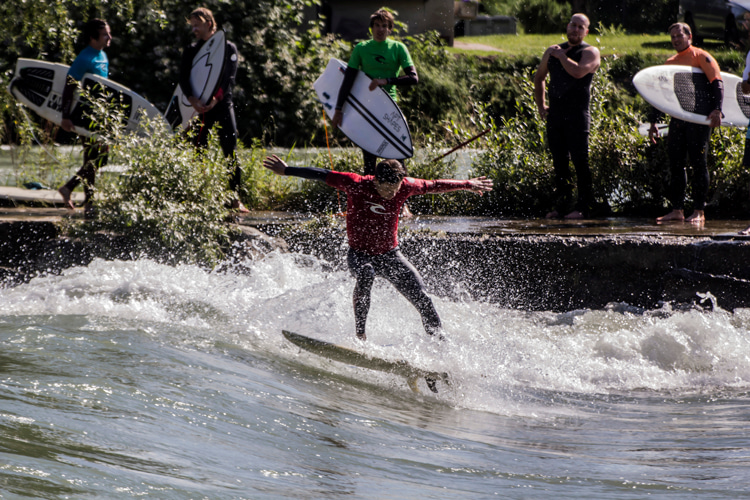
(279, 167)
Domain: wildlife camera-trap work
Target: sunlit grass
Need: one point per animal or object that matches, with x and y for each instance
(609, 44)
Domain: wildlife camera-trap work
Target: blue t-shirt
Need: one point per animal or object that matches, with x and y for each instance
(91, 61)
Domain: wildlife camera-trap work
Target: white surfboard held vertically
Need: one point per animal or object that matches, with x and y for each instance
(683, 92)
(39, 86)
(208, 64)
(371, 119)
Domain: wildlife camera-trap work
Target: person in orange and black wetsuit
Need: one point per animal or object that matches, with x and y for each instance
(689, 141)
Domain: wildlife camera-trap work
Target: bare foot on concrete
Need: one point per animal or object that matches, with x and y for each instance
(697, 217)
(674, 215)
(575, 214)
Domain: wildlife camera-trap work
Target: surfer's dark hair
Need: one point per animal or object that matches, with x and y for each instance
(390, 171)
(203, 14)
(683, 26)
(383, 16)
(92, 27)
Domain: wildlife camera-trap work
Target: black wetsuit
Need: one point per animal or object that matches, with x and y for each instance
(568, 124)
(223, 112)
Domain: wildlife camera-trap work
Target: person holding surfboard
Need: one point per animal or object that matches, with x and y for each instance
(219, 109)
(92, 59)
(746, 90)
(382, 59)
(373, 206)
(571, 67)
(689, 141)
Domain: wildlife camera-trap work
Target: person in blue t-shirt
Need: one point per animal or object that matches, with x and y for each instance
(92, 59)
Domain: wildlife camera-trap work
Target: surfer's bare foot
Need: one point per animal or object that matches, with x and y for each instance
(697, 217)
(362, 336)
(237, 206)
(575, 214)
(552, 215)
(678, 215)
(744, 232)
(65, 193)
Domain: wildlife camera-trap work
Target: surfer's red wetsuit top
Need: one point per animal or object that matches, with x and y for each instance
(371, 220)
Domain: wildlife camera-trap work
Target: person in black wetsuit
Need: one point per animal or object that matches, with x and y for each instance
(219, 109)
(571, 67)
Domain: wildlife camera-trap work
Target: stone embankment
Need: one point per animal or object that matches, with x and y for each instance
(524, 271)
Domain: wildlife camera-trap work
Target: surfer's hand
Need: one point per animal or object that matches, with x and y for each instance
(653, 133)
(67, 125)
(558, 52)
(337, 117)
(480, 185)
(275, 164)
(377, 82)
(714, 118)
(543, 112)
(197, 104)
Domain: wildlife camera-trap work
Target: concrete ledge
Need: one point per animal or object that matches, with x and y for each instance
(563, 273)
(525, 271)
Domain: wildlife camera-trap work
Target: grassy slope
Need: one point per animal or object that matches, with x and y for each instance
(658, 46)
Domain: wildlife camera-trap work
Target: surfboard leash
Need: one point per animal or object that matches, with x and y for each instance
(330, 158)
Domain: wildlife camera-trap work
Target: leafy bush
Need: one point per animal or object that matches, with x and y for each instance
(542, 16)
(170, 203)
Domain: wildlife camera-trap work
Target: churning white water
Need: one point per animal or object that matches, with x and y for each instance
(135, 379)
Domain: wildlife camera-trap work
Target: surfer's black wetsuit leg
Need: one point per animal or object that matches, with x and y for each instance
(371, 162)
(223, 115)
(361, 266)
(95, 156)
(568, 140)
(688, 142)
(395, 268)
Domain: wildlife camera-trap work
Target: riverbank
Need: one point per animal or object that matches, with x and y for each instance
(523, 264)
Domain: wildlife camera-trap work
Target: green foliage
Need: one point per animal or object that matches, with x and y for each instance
(517, 159)
(170, 203)
(542, 16)
(633, 15)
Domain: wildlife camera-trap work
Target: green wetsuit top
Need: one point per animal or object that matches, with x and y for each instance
(381, 60)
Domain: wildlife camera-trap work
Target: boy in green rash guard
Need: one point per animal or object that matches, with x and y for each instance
(381, 59)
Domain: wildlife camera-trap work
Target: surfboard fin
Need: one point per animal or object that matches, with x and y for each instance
(431, 383)
(412, 383)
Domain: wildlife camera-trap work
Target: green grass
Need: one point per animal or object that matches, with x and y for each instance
(609, 44)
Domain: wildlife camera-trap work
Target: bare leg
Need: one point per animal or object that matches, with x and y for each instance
(678, 215)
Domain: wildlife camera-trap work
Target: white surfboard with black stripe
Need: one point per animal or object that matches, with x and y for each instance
(39, 86)
(371, 119)
(208, 64)
(683, 92)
